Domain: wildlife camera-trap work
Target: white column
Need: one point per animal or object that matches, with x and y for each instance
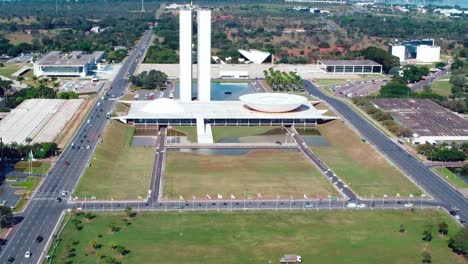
(204, 54)
(185, 54)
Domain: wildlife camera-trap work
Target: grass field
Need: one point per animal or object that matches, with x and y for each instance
(29, 184)
(329, 82)
(269, 173)
(220, 132)
(451, 177)
(8, 69)
(364, 169)
(37, 167)
(117, 170)
(260, 237)
(442, 87)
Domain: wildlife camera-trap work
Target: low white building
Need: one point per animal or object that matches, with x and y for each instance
(254, 56)
(73, 64)
(426, 53)
(423, 50)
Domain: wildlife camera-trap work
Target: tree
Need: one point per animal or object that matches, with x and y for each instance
(6, 216)
(381, 56)
(426, 257)
(427, 235)
(457, 64)
(89, 215)
(129, 212)
(443, 228)
(112, 245)
(113, 227)
(402, 228)
(122, 250)
(459, 242)
(395, 89)
(394, 72)
(440, 65)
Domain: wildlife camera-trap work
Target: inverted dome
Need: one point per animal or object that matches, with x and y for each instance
(273, 102)
(163, 106)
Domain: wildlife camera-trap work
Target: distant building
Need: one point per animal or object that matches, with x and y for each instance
(254, 56)
(319, 11)
(341, 2)
(422, 50)
(73, 64)
(350, 66)
(96, 29)
(450, 12)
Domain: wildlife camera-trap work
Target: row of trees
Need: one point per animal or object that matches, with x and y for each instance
(16, 151)
(283, 81)
(151, 80)
(444, 152)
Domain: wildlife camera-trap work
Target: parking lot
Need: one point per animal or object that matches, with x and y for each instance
(81, 87)
(356, 89)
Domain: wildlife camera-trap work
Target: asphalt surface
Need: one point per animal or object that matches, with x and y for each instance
(296, 203)
(431, 78)
(43, 211)
(417, 171)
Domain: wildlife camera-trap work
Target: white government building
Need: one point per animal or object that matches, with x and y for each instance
(260, 109)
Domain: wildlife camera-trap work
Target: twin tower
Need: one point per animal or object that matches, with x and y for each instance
(204, 54)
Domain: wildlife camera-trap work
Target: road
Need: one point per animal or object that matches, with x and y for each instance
(252, 204)
(158, 164)
(432, 78)
(417, 171)
(43, 211)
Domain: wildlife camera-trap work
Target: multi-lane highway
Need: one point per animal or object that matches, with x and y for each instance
(43, 211)
(416, 170)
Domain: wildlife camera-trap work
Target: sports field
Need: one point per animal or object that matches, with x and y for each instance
(269, 172)
(326, 237)
(117, 170)
(364, 169)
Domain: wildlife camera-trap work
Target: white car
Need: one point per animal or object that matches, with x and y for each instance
(27, 254)
(351, 205)
(64, 193)
(408, 205)
(457, 217)
(361, 206)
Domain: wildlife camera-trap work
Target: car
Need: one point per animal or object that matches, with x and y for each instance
(11, 259)
(89, 121)
(351, 205)
(408, 205)
(27, 254)
(58, 199)
(88, 147)
(64, 193)
(309, 205)
(66, 163)
(452, 213)
(361, 205)
(457, 217)
(39, 239)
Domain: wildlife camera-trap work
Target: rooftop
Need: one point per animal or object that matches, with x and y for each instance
(173, 109)
(73, 58)
(424, 117)
(349, 63)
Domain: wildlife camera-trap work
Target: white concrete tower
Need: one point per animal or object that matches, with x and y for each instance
(204, 54)
(185, 54)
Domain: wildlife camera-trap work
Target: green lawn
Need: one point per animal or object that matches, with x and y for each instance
(9, 69)
(28, 184)
(220, 132)
(442, 87)
(269, 173)
(324, 237)
(451, 177)
(364, 169)
(329, 82)
(117, 170)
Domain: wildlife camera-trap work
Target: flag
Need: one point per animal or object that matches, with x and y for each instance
(423, 195)
(398, 194)
(220, 196)
(410, 195)
(180, 197)
(291, 197)
(30, 156)
(208, 197)
(305, 196)
(193, 197)
(333, 198)
(278, 197)
(140, 198)
(385, 196)
(232, 196)
(259, 196)
(320, 198)
(112, 198)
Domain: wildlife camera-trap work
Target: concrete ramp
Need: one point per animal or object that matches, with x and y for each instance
(204, 133)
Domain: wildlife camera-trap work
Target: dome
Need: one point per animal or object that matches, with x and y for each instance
(163, 106)
(273, 102)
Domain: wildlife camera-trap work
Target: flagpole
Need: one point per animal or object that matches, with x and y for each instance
(303, 204)
(290, 202)
(231, 202)
(383, 201)
(276, 206)
(317, 201)
(372, 201)
(244, 201)
(206, 203)
(193, 203)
